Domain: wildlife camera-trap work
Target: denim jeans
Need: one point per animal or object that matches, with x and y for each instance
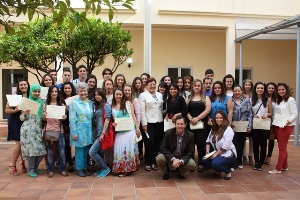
(219, 163)
(61, 153)
(33, 162)
(93, 152)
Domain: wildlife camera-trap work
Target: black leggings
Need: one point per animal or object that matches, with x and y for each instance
(200, 137)
(260, 138)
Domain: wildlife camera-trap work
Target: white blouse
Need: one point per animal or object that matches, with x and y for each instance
(262, 110)
(287, 109)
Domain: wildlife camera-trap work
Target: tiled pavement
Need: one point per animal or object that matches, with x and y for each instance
(245, 184)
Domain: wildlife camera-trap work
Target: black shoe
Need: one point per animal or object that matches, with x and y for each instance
(81, 173)
(86, 172)
(180, 175)
(166, 175)
(71, 169)
(227, 178)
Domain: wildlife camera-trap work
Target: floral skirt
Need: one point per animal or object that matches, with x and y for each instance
(126, 152)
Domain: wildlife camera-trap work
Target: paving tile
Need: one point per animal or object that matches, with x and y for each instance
(168, 191)
(274, 187)
(264, 195)
(102, 198)
(296, 192)
(103, 192)
(124, 184)
(146, 191)
(165, 183)
(54, 193)
(291, 186)
(220, 196)
(254, 188)
(212, 189)
(195, 197)
(285, 195)
(31, 193)
(243, 196)
(144, 184)
(78, 192)
(81, 185)
(124, 198)
(39, 185)
(233, 189)
(171, 197)
(102, 185)
(9, 193)
(191, 190)
(60, 185)
(123, 192)
(148, 197)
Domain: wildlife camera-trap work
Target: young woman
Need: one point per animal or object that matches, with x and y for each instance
(247, 93)
(188, 80)
(47, 81)
(137, 88)
(180, 83)
(284, 121)
(126, 154)
(220, 101)
(220, 138)
(167, 79)
(102, 117)
(228, 82)
(272, 95)
(108, 89)
(261, 108)
(144, 77)
(134, 101)
(55, 125)
(119, 82)
(91, 80)
(81, 115)
(242, 111)
(32, 144)
(14, 124)
(163, 89)
(67, 91)
(199, 107)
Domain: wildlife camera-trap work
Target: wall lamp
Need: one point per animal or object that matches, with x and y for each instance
(129, 62)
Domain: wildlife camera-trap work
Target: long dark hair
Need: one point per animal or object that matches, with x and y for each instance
(287, 94)
(18, 87)
(274, 95)
(100, 92)
(175, 102)
(217, 130)
(48, 100)
(123, 101)
(135, 91)
(264, 97)
(91, 91)
(182, 90)
(63, 95)
(213, 95)
(43, 80)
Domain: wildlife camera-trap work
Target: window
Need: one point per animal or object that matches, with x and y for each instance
(247, 74)
(179, 71)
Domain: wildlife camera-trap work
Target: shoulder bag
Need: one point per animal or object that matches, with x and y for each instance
(109, 137)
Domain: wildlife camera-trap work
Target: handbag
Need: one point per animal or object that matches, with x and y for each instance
(199, 125)
(52, 136)
(109, 137)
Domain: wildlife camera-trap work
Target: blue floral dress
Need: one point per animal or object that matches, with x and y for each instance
(126, 152)
(81, 116)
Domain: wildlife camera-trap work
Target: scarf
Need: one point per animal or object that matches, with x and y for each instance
(34, 87)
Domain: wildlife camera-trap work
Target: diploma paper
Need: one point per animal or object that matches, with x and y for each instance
(240, 126)
(209, 154)
(124, 124)
(44, 93)
(71, 100)
(27, 104)
(168, 124)
(263, 124)
(55, 112)
(199, 125)
(14, 100)
(279, 120)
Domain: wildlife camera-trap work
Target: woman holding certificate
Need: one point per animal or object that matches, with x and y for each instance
(152, 122)
(262, 111)
(81, 115)
(126, 153)
(199, 107)
(223, 153)
(284, 121)
(54, 125)
(242, 122)
(32, 144)
(14, 124)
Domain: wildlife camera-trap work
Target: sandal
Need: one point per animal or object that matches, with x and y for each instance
(200, 168)
(123, 174)
(23, 168)
(13, 171)
(50, 175)
(63, 173)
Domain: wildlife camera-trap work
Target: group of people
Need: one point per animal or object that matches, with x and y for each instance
(216, 117)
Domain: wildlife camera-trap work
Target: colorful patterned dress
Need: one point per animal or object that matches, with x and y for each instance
(126, 152)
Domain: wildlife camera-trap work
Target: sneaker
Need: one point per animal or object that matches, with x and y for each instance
(86, 171)
(232, 169)
(98, 172)
(274, 172)
(240, 166)
(103, 173)
(284, 169)
(39, 171)
(32, 174)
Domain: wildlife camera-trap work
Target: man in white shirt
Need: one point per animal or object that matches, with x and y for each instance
(82, 72)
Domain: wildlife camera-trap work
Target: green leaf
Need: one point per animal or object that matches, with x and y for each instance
(71, 24)
(98, 10)
(107, 2)
(110, 14)
(68, 3)
(30, 13)
(63, 7)
(4, 8)
(76, 18)
(128, 6)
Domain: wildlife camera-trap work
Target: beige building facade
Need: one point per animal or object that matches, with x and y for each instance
(193, 35)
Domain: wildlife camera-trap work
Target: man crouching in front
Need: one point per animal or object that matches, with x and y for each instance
(177, 150)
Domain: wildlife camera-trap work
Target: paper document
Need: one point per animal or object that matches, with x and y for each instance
(71, 100)
(240, 126)
(55, 112)
(168, 124)
(209, 154)
(27, 104)
(124, 124)
(44, 93)
(263, 124)
(14, 100)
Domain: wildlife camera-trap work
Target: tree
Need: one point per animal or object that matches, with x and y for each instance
(38, 50)
(60, 10)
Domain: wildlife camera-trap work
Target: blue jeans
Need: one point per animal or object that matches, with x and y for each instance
(61, 153)
(81, 157)
(33, 162)
(219, 163)
(95, 156)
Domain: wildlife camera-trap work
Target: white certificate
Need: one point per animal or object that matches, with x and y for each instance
(124, 124)
(279, 120)
(71, 100)
(55, 112)
(240, 126)
(263, 124)
(168, 124)
(27, 104)
(44, 93)
(209, 154)
(199, 125)
(14, 100)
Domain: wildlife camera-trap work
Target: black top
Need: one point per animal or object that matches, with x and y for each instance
(176, 105)
(195, 108)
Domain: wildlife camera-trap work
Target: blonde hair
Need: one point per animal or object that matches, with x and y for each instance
(202, 96)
